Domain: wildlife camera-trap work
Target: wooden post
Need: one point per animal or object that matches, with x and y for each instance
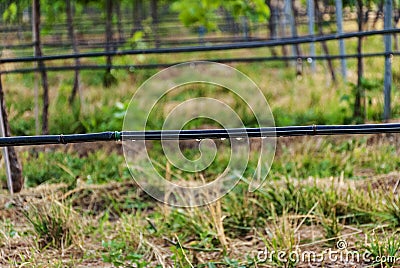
(71, 33)
(154, 21)
(15, 180)
(41, 65)
(339, 24)
(323, 43)
(388, 59)
(36, 77)
(5, 153)
(273, 22)
(109, 79)
(137, 16)
(359, 102)
(109, 33)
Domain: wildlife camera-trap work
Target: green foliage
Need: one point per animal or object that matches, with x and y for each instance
(52, 11)
(136, 41)
(256, 10)
(203, 13)
(197, 13)
(55, 225)
(391, 210)
(10, 14)
(126, 248)
(109, 79)
(105, 118)
(117, 254)
(370, 86)
(383, 249)
(58, 167)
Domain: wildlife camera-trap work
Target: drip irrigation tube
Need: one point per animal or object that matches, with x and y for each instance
(286, 131)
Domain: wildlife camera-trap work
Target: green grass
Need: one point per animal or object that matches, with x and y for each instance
(319, 189)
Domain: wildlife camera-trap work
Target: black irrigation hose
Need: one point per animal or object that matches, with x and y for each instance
(287, 131)
(132, 68)
(240, 45)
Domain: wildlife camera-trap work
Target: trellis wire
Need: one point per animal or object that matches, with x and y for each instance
(220, 60)
(239, 45)
(198, 134)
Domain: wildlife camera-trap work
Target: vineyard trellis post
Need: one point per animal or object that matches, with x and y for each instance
(282, 28)
(71, 33)
(154, 22)
(273, 22)
(359, 102)
(15, 180)
(388, 59)
(41, 65)
(310, 13)
(137, 16)
(339, 24)
(289, 17)
(6, 156)
(323, 43)
(36, 79)
(109, 79)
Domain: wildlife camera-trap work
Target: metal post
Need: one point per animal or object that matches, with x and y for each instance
(290, 18)
(339, 24)
(311, 13)
(388, 59)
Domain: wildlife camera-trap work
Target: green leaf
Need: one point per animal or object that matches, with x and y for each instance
(10, 14)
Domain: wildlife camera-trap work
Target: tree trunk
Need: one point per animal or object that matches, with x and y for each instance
(109, 79)
(15, 166)
(359, 103)
(137, 16)
(231, 25)
(378, 13)
(324, 46)
(41, 65)
(273, 22)
(71, 34)
(154, 22)
(119, 23)
(291, 16)
(294, 29)
(109, 32)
